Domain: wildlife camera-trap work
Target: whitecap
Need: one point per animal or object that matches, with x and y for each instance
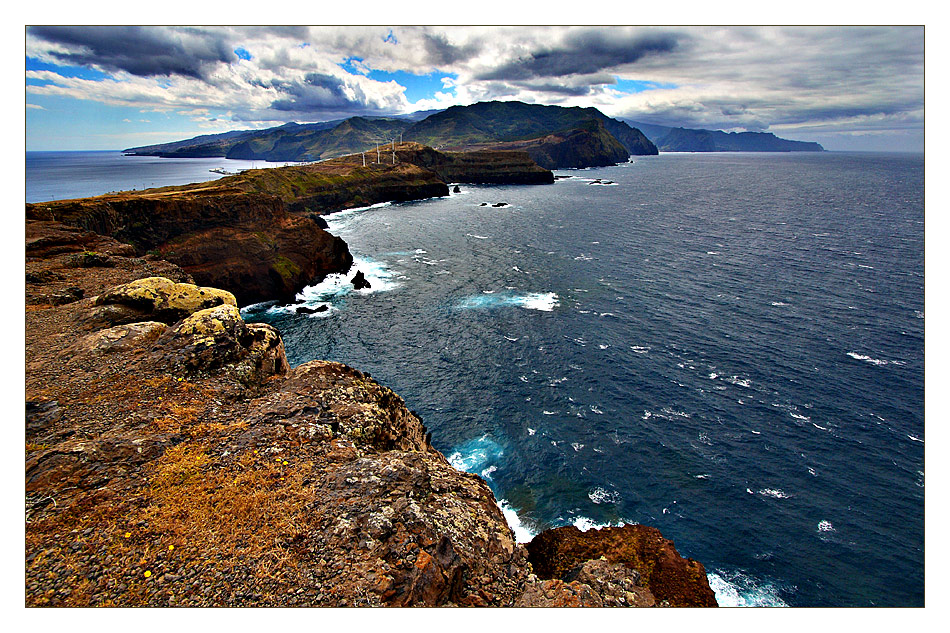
(639, 349)
(596, 410)
(779, 303)
(603, 346)
(549, 412)
(915, 438)
(531, 431)
(478, 237)
(576, 446)
(774, 493)
(542, 301)
(511, 338)
(825, 526)
(486, 474)
(873, 361)
(599, 495)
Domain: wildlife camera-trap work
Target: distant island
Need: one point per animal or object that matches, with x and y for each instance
(679, 139)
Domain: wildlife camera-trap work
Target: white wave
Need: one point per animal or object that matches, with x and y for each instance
(594, 409)
(740, 590)
(775, 493)
(603, 346)
(874, 361)
(647, 415)
(811, 471)
(523, 534)
(542, 301)
(674, 412)
(511, 338)
(804, 418)
(919, 314)
(486, 474)
(712, 252)
(915, 438)
(577, 446)
(338, 220)
(531, 431)
(549, 412)
(335, 286)
(825, 526)
(640, 349)
(478, 237)
(599, 495)
(742, 382)
(713, 375)
(779, 303)
(475, 455)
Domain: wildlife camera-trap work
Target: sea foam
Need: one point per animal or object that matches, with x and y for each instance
(543, 301)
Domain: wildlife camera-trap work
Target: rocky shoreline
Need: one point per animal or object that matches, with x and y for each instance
(174, 458)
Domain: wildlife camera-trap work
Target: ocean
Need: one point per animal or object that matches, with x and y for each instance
(65, 175)
(728, 347)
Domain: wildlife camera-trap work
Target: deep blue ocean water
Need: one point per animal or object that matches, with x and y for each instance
(64, 175)
(729, 347)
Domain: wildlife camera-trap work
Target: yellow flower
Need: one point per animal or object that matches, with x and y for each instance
(128, 535)
(285, 463)
(147, 574)
(171, 547)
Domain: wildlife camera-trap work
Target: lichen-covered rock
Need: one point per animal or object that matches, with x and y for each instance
(164, 300)
(680, 582)
(218, 338)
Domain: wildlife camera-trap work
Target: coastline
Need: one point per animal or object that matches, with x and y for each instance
(174, 458)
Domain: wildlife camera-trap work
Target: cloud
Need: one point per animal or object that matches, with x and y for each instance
(33, 106)
(585, 52)
(755, 78)
(139, 50)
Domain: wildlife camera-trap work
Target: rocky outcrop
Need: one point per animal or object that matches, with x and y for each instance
(672, 579)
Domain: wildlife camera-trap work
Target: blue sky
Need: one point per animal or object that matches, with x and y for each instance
(113, 87)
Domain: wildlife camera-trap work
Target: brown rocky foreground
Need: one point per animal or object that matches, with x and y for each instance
(173, 458)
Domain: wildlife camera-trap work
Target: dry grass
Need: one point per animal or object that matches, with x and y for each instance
(251, 509)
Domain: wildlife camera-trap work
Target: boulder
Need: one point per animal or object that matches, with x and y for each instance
(218, 339)
(677, 581)
(157, 299)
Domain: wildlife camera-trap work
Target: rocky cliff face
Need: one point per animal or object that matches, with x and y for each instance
(245, 242)
(173, 458)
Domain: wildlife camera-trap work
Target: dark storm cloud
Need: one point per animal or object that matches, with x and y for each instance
(441, 52)
(317, 94)
(585, 52)
(141, 50)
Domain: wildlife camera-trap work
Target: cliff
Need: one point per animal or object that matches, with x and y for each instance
(255, 234)
(587, 145)
(173, 458)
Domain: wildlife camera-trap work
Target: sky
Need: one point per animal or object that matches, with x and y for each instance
(113, 87)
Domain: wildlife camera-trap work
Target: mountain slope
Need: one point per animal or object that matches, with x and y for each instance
(505, 121)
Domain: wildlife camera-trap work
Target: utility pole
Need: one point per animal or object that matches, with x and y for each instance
(394, 151)
(377, 152)
(363, 154)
